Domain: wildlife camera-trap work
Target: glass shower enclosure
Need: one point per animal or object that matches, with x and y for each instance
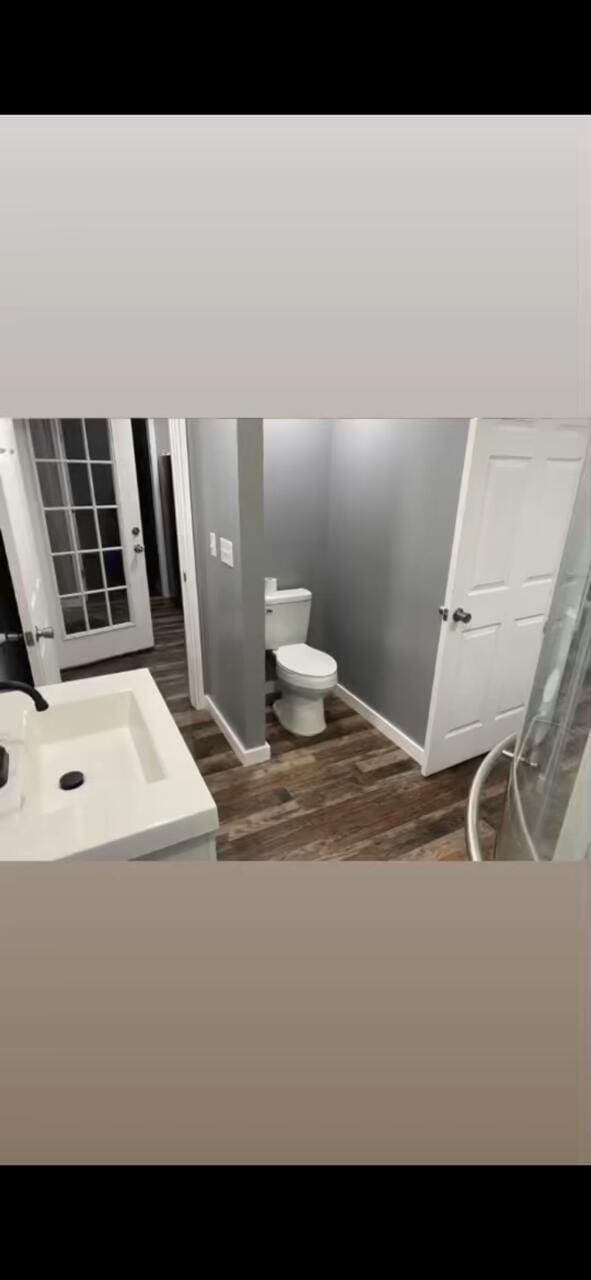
(547, 815)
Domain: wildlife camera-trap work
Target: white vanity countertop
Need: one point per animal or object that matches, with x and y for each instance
(142, 792)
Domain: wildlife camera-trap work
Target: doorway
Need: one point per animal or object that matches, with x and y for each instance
(74, 494)
(143, 469)
(152, 451)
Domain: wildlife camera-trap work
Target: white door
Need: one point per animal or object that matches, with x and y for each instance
(83, 493)
(516, 499)
(26, 568)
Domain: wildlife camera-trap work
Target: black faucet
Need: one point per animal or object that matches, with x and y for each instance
(17, 686)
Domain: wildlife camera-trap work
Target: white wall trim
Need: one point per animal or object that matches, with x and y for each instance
(246, 755)
(186, 535)
(384, 726)
(158, 516)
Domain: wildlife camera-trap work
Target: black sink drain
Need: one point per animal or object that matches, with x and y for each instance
(69, 781)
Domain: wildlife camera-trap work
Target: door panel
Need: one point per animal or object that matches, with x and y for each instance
(504, 488)
(474, 662)
(26, 568)
(518, 491)
(522, 640)
(83, 486)
(549, 516)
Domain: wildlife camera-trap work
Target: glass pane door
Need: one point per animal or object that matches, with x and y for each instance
(78, 495)
(82, 482)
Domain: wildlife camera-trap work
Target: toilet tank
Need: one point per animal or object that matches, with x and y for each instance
(287, 617)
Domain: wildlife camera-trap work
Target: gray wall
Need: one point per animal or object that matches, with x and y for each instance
(360, 511)
(162, 434)
(363, 511)
(226, 465)
(394, 486)
(296, 477)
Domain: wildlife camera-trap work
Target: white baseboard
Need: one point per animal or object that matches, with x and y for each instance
(384, 726)
(246, 755)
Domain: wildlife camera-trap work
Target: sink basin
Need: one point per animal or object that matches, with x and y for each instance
(105, 738)
(138, 792)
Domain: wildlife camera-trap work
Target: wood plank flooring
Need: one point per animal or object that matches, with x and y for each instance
(349, 794)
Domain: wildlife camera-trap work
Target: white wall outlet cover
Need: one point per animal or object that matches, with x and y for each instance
(213, 546)
(226, 552)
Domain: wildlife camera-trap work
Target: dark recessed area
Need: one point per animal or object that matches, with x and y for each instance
(69, 781)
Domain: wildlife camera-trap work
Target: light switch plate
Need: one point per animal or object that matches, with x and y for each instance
(213, 546)
(226, 552)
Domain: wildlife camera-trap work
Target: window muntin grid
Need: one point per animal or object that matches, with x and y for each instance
(76, 484)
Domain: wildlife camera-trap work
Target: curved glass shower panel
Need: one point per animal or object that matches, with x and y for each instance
(548, 811)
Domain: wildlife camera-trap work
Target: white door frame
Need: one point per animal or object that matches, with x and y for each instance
(21, 549)
(186, 537)
(455, 551)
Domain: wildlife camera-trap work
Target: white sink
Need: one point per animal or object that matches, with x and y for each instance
(142, 793)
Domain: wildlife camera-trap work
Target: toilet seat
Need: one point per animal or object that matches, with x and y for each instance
(304, 667)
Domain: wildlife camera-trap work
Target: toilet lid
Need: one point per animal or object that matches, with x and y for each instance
(304, 661)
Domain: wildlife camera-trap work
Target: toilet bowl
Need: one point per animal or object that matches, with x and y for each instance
(305, 676)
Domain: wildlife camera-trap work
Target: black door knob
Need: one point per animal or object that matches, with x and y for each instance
(460, 615)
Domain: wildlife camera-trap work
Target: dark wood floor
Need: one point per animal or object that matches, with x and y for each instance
(349, 794)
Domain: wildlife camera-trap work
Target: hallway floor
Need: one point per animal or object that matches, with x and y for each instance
(349, 795)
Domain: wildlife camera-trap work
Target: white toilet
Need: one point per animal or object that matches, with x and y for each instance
(305, 675)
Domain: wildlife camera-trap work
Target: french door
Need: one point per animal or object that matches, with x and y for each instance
(82, 487)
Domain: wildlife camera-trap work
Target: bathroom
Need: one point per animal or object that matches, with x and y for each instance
(365, 729)
(357, 622)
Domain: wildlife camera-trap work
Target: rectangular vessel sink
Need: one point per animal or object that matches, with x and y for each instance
(104, 738)
(141, 791)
